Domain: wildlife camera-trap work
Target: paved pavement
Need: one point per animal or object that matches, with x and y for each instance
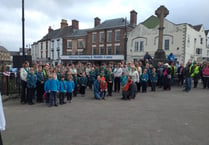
(153, 118)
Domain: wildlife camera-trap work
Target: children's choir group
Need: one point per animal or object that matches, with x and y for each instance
(46, 83)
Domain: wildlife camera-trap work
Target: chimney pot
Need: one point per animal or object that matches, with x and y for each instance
(75, 24)
(50, 29)
(133, 18)
(63, 23)
(96, 21)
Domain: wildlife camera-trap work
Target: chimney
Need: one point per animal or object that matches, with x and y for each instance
(63, 23)
(96, 21)
(133, 18)
(75, 24)
(50, 29)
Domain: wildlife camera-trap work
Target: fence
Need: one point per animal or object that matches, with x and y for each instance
(9, 83)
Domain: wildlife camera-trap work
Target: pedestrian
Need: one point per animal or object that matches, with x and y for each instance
(76, 83)
(2, 119)
(195, 73)
(62, 90)
(123, 81)
(144, 80)
(117, 74)
(109, 79)
(23, 76)
(103, 87)
(92, 77)
(188, 79)
(180, 72)
(31, 85)
(205, 73)
(53, 89)
(70, 88)
(83, 84)
(40, 84)
(46, 88)
(97, 94)
(153, 79)
(167, 77)
(128, 89)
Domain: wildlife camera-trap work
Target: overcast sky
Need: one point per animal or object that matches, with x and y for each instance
(40, 14)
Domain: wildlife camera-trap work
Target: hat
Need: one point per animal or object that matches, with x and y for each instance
(133, 66)
(166, 64)
(46, 64)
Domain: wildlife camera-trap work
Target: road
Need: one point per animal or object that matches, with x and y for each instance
(153, 118)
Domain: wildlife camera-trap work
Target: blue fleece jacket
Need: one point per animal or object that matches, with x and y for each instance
(54, 85)
(31, 80)
(62, 86)
(70, 86)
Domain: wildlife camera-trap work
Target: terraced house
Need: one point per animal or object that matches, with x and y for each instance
(106, 41)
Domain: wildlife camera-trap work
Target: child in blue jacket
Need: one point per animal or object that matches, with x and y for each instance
(153, 79)
(144, 79)
(53, 89)
(46, 88)
(62, 89)
(70, 87)
(31, 85)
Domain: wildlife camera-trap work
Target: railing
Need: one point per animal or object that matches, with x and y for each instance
(9, 83)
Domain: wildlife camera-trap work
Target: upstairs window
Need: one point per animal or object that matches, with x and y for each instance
(109, 36)
(94, 38)
(117, 35)
(69, 44)
(166, 44)
(101, 37)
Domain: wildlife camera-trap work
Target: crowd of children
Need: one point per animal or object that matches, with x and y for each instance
(47, 83)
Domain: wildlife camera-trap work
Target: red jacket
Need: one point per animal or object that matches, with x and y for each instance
(205, 71)
(128, 84)
(103, 84)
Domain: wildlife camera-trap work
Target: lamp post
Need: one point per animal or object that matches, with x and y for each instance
(23, 31)
(125, 42)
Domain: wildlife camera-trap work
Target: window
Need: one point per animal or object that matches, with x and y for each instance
(198, 51)
(117, 35)
(58, 43)
(94, 38)
(94, 50)
(201, 40)
(109, 50)
(69, 44)
(80, 44)
(117, 49)
(141, 46)
(208, 53)
(101, 50)
(136, 46)
(166, 44)
(109, 36)
(101, 37)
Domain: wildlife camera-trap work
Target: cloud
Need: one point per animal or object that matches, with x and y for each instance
(40, 14)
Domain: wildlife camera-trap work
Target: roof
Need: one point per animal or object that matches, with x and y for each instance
(206, 32)
(77, 33)
(151, 22)
(57, 33)
(197, 27)
(2, 48)
(112, 23)
(14, 53)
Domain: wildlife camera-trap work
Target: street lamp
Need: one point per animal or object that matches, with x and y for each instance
(125, 42)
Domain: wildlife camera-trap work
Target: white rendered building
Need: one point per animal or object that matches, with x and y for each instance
(183, 40)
